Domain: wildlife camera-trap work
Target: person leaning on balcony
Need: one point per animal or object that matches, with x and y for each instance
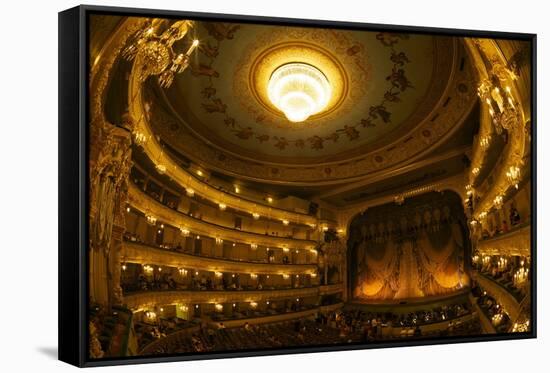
(514, 216)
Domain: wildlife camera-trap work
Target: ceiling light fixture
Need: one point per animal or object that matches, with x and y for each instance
(299, 90)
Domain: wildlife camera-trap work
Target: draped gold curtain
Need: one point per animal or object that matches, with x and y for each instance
(424, 264)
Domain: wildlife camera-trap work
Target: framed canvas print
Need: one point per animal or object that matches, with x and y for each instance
(241, 186)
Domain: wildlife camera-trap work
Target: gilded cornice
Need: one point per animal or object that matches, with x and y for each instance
(144, 254)
(150, 299)
(149, 206)
(455, 184)
(385, 174)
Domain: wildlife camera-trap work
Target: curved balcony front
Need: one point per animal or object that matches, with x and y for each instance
(145, 254)
(187, 180)
(515, 242)
(278, 318)
(149, 299)
(331, 289)
(508, 301)
(148, 205)
(510, 169)
(483, 142)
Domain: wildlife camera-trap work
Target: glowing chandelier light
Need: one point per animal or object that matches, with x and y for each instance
(299, 90)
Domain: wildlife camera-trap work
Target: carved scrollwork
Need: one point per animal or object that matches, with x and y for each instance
(108, 184)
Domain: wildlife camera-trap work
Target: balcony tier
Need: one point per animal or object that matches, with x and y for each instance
(174, 337)
(148, 205)
(149, 299)
(145, 254)
(515, 242)
(187, 180)
(331, 289)
(500, 293)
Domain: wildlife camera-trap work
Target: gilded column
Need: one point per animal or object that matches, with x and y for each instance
(110, 162)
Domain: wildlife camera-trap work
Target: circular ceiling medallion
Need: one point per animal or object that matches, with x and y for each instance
(299, 90)
(291, 53)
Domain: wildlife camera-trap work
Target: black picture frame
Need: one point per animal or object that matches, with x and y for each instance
(73, 180)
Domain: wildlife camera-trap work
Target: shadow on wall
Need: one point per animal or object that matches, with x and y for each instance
(50, 352)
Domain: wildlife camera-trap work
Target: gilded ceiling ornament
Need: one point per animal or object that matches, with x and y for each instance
(381, 112)
(439, 126)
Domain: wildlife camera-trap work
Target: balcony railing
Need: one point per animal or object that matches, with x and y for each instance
(331, 307)
(148, 205)
(229, 323)
(515, 242)
(189, 181)
(331, 289)
(145, 254)
(506, 299)
(149, 299)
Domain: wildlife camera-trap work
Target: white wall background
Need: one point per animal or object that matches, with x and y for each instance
(28, 183)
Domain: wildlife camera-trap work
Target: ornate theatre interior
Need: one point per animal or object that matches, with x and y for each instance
(256, 186)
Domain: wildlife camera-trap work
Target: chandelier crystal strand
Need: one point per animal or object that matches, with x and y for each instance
(299, 90)
(155, 54)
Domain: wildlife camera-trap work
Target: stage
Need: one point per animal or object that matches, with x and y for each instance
(409, 305)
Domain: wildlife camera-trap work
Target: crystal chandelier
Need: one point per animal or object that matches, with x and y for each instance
(156, 55)
(299, 90)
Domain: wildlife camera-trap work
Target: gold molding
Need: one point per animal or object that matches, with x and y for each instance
(454, 183)
(154, 151)
(150, 299)
(331, 289)
(147, 205)
(515, 242)
(495, 76)
(434, 129)
(102, 66)
(508, 302)
(395, 172)
(290, 52)
(144, 254)
(268, 319)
